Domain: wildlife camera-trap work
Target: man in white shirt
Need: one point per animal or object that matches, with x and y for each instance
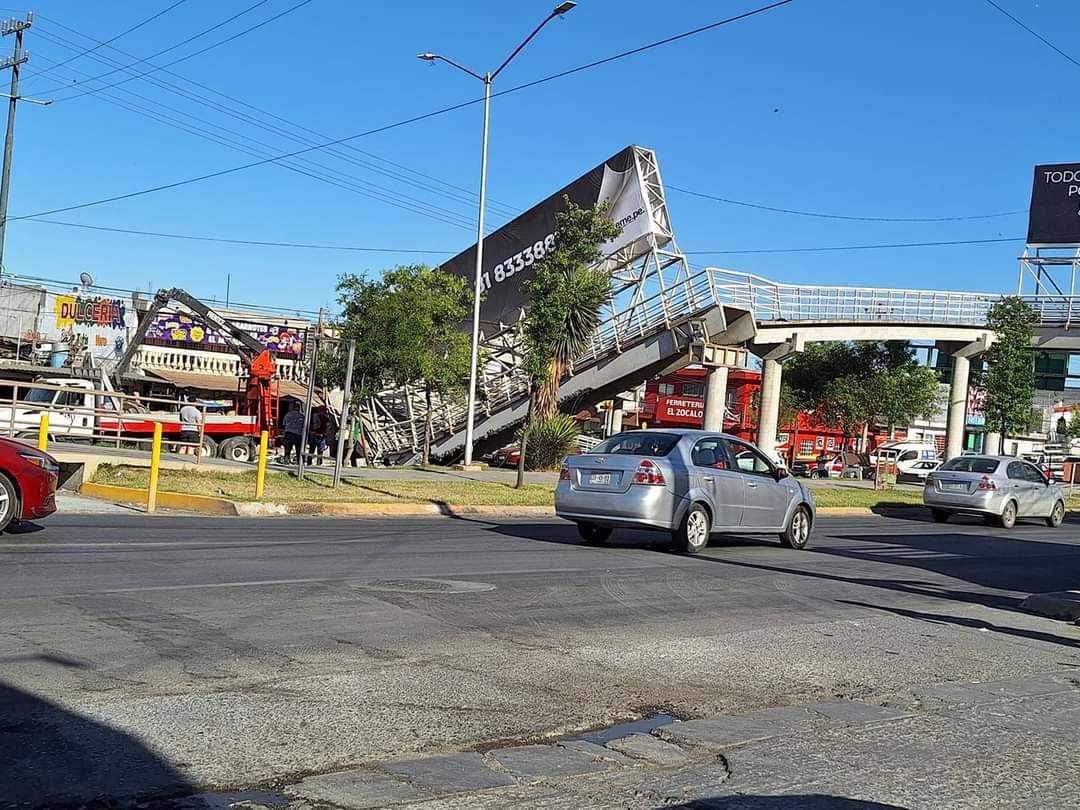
(293, 425)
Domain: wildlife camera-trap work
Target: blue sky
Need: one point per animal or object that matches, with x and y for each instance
(877, 108)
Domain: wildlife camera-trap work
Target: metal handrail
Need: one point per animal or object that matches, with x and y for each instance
(768, 301)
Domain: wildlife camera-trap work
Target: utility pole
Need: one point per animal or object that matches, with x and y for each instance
(313, 362)
(18, 56)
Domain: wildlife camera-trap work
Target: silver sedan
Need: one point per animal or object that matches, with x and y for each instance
(687, 482)
(998, 488)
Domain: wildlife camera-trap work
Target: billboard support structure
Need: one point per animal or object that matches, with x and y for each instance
(1053, 240)
(1043, 274)
(644, 269)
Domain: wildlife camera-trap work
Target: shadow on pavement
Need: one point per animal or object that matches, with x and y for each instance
(23, 527)
(998, 566)
(803, 801)
(991, 560)
(974, 624)
(51, 757)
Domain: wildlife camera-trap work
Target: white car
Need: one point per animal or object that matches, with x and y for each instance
(917, 472)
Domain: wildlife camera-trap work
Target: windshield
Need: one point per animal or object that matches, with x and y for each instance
(644, 443)
(986, 466)
(39, 395)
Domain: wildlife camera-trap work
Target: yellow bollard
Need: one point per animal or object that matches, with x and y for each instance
(43, 432)
(260, 476)
(155, 466)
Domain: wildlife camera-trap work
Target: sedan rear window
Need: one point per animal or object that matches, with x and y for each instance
(645, 443)
(986, 466)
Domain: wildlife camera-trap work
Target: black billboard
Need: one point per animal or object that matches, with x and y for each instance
(1055, 206)
(510, 252)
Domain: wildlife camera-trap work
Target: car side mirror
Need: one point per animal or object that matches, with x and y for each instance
(781, 473)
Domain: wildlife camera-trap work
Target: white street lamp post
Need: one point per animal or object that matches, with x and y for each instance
(487, 79)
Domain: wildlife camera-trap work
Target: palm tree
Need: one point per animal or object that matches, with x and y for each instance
(566, 293)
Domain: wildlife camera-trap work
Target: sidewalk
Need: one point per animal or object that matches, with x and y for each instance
(1009, 743)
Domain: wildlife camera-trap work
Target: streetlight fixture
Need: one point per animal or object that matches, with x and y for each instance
(487, 79)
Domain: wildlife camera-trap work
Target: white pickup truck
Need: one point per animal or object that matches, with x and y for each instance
(79, 410)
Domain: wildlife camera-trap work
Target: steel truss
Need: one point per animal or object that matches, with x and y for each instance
(1049, 276)
(651, 287)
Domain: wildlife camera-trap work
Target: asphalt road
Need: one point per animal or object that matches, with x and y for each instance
(145, 653)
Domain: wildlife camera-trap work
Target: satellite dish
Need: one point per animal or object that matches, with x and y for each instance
(86, 279)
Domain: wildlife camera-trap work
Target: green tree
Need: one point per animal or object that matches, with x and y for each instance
(565, 296)
(1009, 376)
(407, 328)
(853, 385)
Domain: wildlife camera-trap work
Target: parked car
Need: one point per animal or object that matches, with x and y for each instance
(687, 482)
(903, 455)
(800, 469)
(27, 482)
(917, 472)
(999, 488)
(506, 457)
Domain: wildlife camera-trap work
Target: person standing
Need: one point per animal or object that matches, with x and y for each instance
(293, 426)
(190, 417)
(316, 437)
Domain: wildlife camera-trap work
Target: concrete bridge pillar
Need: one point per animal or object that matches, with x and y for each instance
(956, 420)
(992, 443)
(769, 410)
(715, 398)
(956, 416)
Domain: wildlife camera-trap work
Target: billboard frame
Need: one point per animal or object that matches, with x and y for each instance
(641, 270)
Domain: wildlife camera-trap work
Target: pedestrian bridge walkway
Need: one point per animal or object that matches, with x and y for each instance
(668, 326)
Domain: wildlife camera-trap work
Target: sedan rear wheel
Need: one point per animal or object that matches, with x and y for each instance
(1007, 518)
(1057, 517)
(693, 534)
(594, 535)
(797, 533)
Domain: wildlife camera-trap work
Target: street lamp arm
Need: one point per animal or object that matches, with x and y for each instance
(433, 57)
(556, 13)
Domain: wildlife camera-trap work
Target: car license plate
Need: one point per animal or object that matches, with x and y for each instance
(600, 479)
(954, 487)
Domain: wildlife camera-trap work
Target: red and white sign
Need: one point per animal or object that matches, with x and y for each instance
(682, 410)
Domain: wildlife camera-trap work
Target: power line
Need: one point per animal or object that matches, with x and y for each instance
(853, 247)
(254, 242)
(509, 209)
(469, 198)
(199, 52)
(404, 122)
(648, 47)
(166, 50)
(1034, 33)
(336, 178)
(124, 33)
(821, 215)
(68, 285)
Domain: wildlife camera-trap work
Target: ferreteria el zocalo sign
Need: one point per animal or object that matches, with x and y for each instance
(1054, 219)
(512, 250)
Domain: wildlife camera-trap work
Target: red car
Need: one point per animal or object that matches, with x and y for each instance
(27, 482)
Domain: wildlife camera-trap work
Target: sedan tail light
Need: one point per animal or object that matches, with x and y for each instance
(987, 485)
(649, 474)
(564, 473)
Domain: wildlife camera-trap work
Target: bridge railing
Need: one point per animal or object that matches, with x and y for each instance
(1055, 310)
(770, 301)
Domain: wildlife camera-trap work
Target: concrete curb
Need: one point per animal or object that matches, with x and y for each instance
(205, 505)
(167, 500)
